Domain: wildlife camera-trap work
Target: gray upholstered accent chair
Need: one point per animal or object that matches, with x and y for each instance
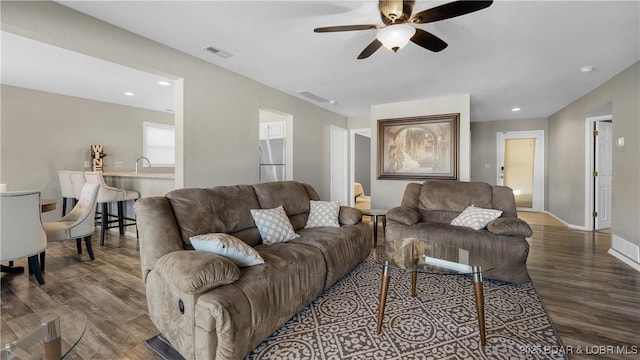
(427, 210)
(21, 233)
(79, 223)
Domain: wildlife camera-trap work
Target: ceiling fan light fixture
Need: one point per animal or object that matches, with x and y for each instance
(395, 37)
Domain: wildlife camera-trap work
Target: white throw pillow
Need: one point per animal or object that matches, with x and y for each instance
(228, 246)
(476, 218)
(323, 213)
(274, 225)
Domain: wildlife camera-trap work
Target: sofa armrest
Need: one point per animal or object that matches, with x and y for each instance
(510, 226)
(349, 215)
(404, 215)
(193, 271)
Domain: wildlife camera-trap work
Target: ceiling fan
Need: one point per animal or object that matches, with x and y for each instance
(397, 31)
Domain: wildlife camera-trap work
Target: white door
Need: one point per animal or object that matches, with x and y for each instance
(339, 187)
(521, 167)
(602, 174)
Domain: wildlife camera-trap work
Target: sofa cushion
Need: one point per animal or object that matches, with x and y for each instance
(222, 209)
(476, 218)
(228, 246)
(450, 195)
(193, 272)
(323, 213)
(274, 225)
(292, 195)
(342, 248)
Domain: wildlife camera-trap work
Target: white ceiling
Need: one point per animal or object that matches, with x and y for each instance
(514, 53)
(35, 65)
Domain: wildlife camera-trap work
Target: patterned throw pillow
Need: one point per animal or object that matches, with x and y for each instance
(323, 213)
(476, 218)
(274, 225)
(228, 246)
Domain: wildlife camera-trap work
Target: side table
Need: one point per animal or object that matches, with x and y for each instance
(48, 335)
(374, 214)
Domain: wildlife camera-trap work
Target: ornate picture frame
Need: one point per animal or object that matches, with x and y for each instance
(422, 147)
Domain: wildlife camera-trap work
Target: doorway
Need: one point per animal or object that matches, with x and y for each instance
(338, 174)
(360, 168)
(275, 146)
(521, 167)
(598, 183)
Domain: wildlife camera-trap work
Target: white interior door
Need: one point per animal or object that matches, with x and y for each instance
(602, 174)
(339, 189)
(521, 167)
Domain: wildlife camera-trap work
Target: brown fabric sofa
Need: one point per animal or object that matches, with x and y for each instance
(427, 210)
(206, 306)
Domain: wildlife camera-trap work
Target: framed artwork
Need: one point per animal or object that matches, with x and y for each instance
(423, 147)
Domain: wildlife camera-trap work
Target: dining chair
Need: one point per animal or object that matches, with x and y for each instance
(21, 233)
(67, 190)
(109, 194)
(77, 181)
(79, 223)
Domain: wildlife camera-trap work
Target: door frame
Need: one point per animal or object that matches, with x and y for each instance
(538, 163)
(589, 181)
(352, 159)
(337, 149)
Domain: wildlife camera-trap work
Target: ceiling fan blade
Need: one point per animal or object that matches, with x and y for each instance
(448, 11)
(344, 28)
(428, 41)
(375, 45)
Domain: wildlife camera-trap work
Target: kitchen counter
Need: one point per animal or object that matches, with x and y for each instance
(145, 183)
(148, 175)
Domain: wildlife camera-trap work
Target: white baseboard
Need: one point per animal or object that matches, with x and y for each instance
(625, 251)
(577, 227)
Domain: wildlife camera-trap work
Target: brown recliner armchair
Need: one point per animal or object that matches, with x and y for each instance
(427, 210)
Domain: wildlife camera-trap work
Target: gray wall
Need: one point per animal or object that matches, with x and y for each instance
(386, 194)
(484, 149)
(217, 112)
(362, 162)
(567, 144)
(42, 133)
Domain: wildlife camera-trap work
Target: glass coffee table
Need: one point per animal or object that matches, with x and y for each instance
(47, 335)
(423, 256)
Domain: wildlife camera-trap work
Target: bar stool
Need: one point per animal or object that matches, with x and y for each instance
(109, 194)
(66, 187)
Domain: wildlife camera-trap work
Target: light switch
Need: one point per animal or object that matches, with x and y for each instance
(86, 164)
(118, 163)
(620, 141)
(487, 166)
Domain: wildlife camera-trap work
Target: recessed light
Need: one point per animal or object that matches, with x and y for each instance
(164, 83)
(586, 69)
(129, 93)
(515, 109)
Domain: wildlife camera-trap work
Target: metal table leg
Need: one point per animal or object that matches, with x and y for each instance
(384, 288)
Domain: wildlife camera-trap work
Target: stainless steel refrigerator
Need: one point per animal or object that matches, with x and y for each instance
(272, 160)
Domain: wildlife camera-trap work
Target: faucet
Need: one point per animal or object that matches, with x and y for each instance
(144, 158)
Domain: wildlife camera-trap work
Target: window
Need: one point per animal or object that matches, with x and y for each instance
(159, 144)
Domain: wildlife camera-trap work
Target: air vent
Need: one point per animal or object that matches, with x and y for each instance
(223, 54)
(312, 96)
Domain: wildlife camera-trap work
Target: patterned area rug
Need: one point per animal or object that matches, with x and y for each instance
(439, 323)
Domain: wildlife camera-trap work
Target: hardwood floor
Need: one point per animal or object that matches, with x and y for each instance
(592, 298)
